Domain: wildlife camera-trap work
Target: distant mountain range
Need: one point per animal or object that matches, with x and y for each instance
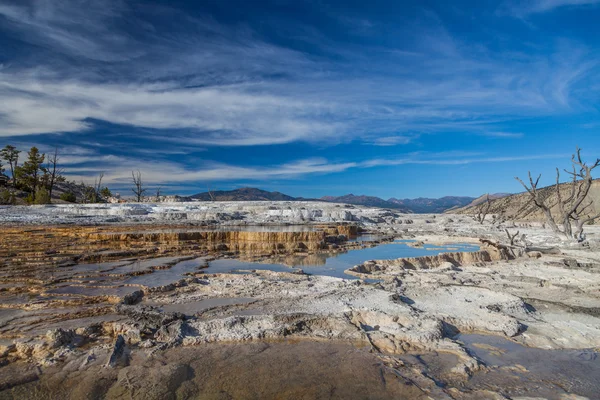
(243, 194)
(425, 205)
(420, 205)
(370, 201)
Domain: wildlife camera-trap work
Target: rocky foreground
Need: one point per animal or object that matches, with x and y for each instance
(414, 324)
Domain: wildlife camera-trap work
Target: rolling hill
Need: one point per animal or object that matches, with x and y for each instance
(520, 206)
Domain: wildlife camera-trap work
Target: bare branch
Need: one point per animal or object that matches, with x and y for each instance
(484, 209)
(138, 186)
(511, 237)
(571, 209)
(210, 194)
(54, 172)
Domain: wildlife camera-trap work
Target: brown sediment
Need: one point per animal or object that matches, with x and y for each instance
(233, 240)
(348, 230)
(56, 244)
(239, 371)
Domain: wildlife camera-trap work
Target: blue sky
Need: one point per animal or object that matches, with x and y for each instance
(311, 98)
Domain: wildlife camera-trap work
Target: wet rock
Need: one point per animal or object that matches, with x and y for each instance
(133, 298)
(148, 317)
(172, 286)
(336, 239)
(172, 333)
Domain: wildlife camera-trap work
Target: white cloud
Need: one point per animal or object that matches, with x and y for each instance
(83, 28)
(507, 135)
(524, 8)
(117, 169)
(231, 115)
(235, 89)
(393, 140)
(456, 161)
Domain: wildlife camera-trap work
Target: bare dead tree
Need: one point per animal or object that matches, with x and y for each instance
(97, 186)
(573, 209)
(518, 245)
(210, 194)
(483, 209)
(138, 186)
(91, 194)
(511, 238)
(54, 172)
(158, 194)
(500, 218)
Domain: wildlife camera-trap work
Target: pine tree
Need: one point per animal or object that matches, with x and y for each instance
(31, 171)
(11, 155)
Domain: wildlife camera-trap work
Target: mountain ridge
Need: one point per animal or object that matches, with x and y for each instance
(243, 194)
(418, 205)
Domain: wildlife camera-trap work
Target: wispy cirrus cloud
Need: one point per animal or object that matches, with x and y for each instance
(393, 140)
(123, 87)
(505, 135)
(424, 160)
(117, 170)
(80, 166)
(80, 28)
(524, 8)
(237, 89)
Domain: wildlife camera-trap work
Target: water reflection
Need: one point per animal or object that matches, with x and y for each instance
(335, 264)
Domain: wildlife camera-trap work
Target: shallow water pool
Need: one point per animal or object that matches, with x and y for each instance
(335, 264)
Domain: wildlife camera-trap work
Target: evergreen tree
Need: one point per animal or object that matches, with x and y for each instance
(30, 173)
(105, 193)
(11, 155)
